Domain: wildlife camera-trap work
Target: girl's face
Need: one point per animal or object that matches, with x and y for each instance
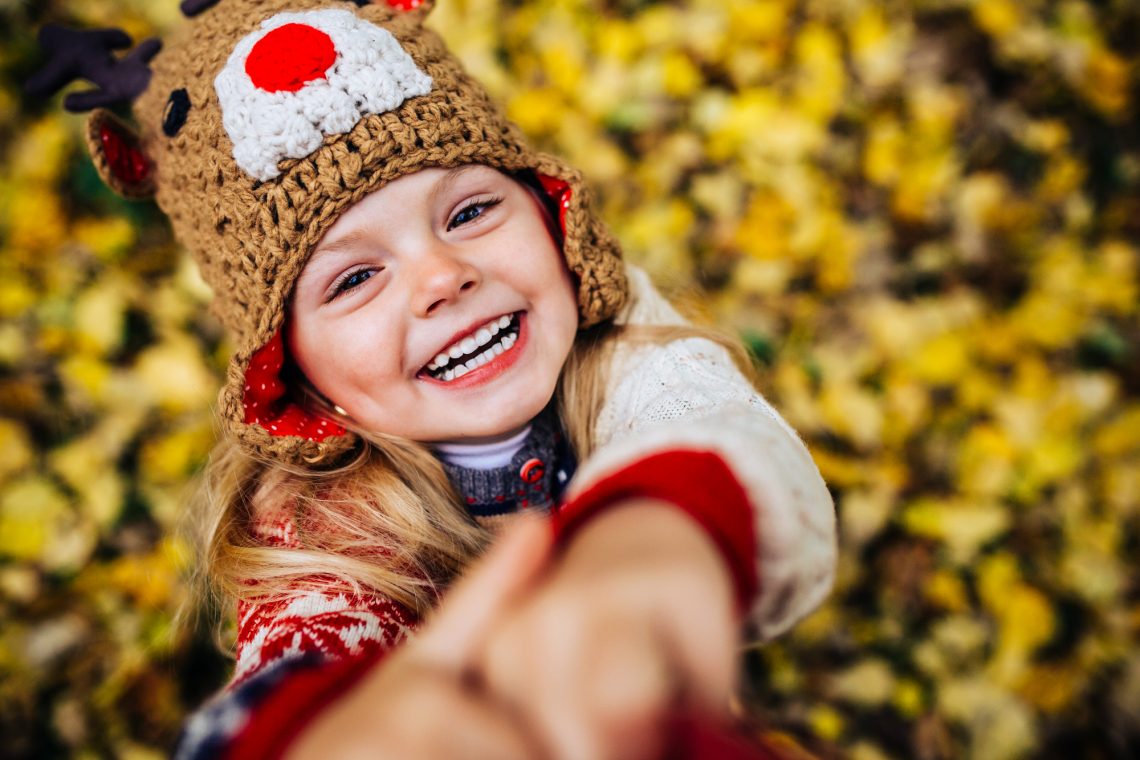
(438, 308)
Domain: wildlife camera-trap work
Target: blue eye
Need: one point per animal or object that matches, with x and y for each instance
(472, 211)
(351, 281)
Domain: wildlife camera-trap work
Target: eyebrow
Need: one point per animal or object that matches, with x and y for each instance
(445, 182)
(357, 237)
(350, 240)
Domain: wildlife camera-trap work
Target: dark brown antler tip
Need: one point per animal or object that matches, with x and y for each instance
(74, 54)
(191, 8)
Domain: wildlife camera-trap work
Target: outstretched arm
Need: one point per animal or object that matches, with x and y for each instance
(682, 424)
(700, 507)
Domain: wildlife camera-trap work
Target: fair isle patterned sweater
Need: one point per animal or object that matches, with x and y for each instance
(679, 423)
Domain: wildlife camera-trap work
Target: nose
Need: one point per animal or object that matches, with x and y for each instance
(289, 57)
(440, 278)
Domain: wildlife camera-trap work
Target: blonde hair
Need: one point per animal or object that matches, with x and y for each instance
(388, 522)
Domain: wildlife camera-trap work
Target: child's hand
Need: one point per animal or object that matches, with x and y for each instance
(635, 619)
(420, 702)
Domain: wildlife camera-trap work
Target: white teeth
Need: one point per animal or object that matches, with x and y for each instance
(483, 336)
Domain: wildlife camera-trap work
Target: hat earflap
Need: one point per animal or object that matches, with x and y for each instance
(118, 155)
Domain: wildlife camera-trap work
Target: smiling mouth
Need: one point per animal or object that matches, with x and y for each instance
(475, 350)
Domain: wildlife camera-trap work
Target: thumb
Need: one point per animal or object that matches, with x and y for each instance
(481, 596)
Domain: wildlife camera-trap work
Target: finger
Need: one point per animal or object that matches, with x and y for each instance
(476, 728)
(482, 732)
(705, 662)
(593, 695)
(469, 610)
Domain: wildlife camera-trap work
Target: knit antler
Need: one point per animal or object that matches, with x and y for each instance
(88, 55)
(191, 8)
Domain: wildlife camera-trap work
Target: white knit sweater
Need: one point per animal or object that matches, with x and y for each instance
(689, 394)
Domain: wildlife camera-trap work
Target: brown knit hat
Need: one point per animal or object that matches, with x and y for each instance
(263, 120)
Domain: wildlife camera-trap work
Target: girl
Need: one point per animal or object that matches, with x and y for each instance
(432, 329)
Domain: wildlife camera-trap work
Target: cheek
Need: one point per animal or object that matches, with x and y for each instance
(330, 354)
(566, 310)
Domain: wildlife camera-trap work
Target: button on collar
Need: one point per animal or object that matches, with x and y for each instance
(532, 471)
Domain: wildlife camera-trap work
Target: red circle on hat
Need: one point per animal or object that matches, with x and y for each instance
(532, 471)
(289, 57)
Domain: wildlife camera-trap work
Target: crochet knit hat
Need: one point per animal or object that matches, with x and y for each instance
(259, 124)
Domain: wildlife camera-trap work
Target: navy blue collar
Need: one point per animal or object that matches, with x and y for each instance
(534, 478)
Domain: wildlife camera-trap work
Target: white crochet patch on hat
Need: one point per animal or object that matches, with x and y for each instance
(283, 102)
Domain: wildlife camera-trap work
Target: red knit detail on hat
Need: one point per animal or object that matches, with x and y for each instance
(559, 190)
(266, 403)
(289, 57)
(126, 161)
(265, 398)
(405, 5)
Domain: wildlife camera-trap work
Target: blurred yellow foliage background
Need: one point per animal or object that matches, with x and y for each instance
(923, 216)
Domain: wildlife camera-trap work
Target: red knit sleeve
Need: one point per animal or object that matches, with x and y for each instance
(698, 482)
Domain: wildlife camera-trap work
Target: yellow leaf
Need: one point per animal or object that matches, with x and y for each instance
(39, 155)
(1052, 688)
(1121, 488)
(825, 722)
(15, 448)
(87, 379)
(1094, 576)
(996, 576)
(1106, 81)
(170, 458)
(1121, 435)
(852, 412)
(36, 220)
(997, 17)
(1051, 459)
(30, 512)
(537, 111)
(946, 590)
(107, 238)
(942, 360)
(985, 461)
(681, 77)
(16, 295)
(999, 725)
(822, 77)
(883, 155)
(1026, 618)
(868, 683)
(766, 228)
(863, 514)
(759, 20)
(879, 46)
(962, 526)
(99, 315)
(174, 375)
(908, 698)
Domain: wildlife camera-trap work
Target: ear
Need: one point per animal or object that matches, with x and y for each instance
(418, 8)
(118, 155)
